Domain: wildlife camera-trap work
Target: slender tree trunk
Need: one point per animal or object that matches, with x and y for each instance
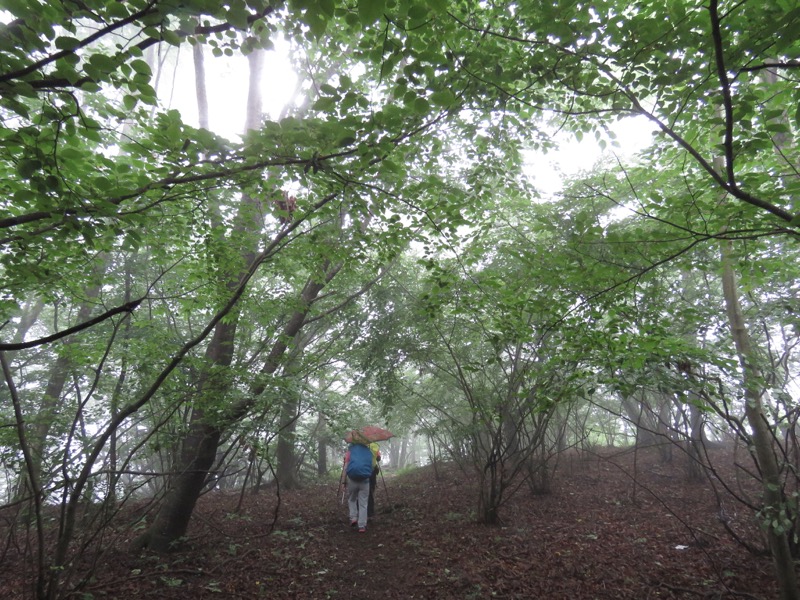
(662, 427)
(200, 85)
(113, 477)
(394, 453)
(402, 458)
(322, 445)
(30, 314)
(696, 440)
(777, 524)
(36, 487)
(42, 422)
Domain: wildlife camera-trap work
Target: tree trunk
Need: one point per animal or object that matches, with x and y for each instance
(30, 314)
(696, 441)
(201, 91)
(394, 452)
(199, 447)
(41, 423)
(638, 415)
(322, 446)
(113, 477)
(288, 463)
(401, 463)
(286, 457)
(776, 521)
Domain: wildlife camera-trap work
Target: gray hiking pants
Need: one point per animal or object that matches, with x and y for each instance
(357, 500)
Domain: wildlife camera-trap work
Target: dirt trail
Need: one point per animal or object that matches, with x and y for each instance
(605, 532)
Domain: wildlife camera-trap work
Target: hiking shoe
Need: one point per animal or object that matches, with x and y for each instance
(362, 530)
(354, 524)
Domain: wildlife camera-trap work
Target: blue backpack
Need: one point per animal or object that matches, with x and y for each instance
(360, 466)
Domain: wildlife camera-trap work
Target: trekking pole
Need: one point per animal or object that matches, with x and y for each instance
(385, 489)
(341, 484)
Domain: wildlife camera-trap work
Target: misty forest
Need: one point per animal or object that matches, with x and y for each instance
(549, 244)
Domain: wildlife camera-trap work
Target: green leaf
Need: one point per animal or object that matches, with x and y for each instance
(28, 167)
(53, 182)
(172, 38)
(370, 11)
(102, 183)
(71, 154)
(141, 66)
(23, 196)
(327, 7)
(444, 98)
(325, 104)
(418, 12)
(237, 15)
(103, 63)
(67, 43)
(327, 88)
(421, 106)
(117, 10)
(316, 23)
(90, 86)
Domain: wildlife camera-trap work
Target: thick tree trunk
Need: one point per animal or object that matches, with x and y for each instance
(639, 415)
(197, 455)
(197, 452)
(199, 447)
(286, 468)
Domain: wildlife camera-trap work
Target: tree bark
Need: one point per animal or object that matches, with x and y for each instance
(322, 445)
(286, 468)
(30, 314)
(696, 441)
(201, 91)
(199, 448)
(776, 521)
(198, 451)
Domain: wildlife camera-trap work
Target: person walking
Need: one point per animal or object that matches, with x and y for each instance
(358, 466)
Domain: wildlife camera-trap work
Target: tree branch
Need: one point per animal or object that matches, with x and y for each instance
(82, 44)
(725, 87)
(57, 83)
(128, 307)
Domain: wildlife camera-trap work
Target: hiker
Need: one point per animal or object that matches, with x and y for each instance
(359, 467)
(373, 479)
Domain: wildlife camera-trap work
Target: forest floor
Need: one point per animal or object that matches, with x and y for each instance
(616, 525)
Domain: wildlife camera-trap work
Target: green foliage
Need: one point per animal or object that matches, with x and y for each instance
(463, 307)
